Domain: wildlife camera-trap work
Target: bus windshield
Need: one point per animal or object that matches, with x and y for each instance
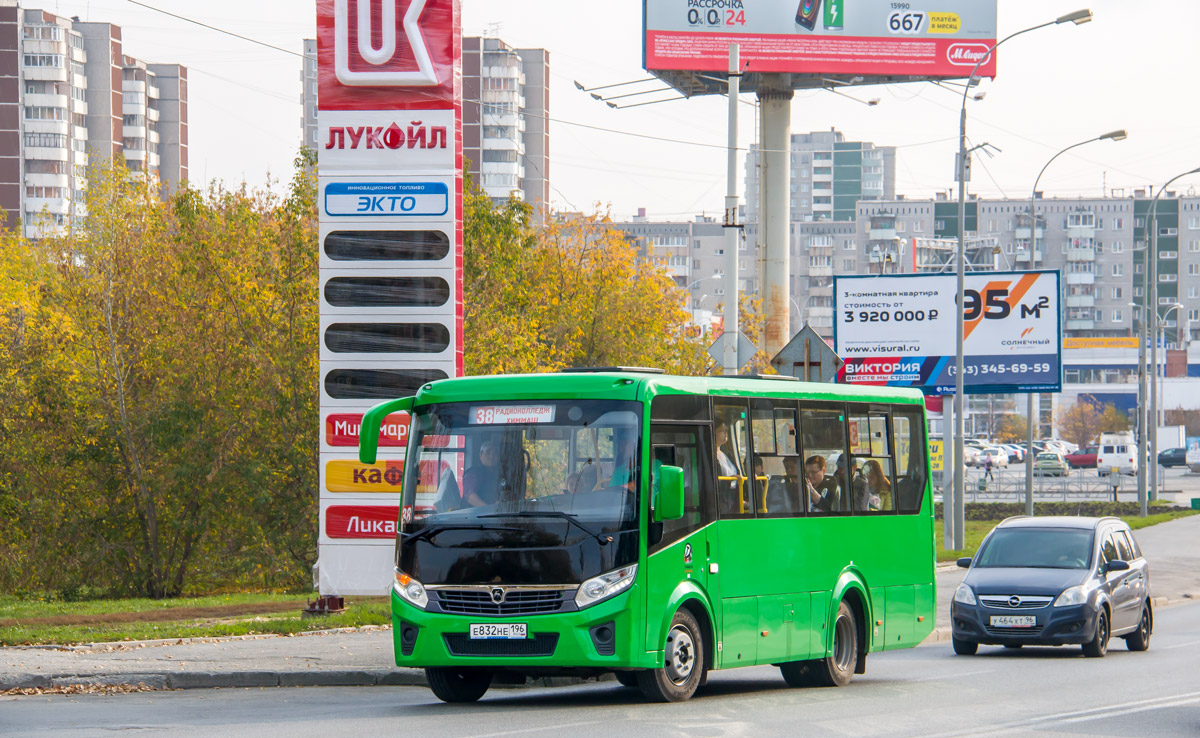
(539, 473)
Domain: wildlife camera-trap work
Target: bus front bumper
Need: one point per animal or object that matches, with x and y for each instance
(601, 638)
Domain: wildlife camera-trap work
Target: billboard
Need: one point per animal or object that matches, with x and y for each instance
(876, 38)
(899, 331)
(390, 164)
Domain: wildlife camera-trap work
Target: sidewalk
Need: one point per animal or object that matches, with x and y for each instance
(364, 656)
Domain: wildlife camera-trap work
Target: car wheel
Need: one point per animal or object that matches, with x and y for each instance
(458, 685)
(964, 648)
(1098, 646)
(1139, 640)
(627, 678)
(683, 663)
(836, 669)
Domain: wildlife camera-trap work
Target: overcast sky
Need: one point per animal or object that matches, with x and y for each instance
(1134, 67)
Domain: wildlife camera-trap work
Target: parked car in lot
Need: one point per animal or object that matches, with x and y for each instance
(1173, 457)
(1016, 453)
(1050, 464)
(997, 455)
(1053, 581)
(1084, 458)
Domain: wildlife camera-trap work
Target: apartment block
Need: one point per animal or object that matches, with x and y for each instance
(506, 106)
(829, 176)
(308, 94)
(70, 95)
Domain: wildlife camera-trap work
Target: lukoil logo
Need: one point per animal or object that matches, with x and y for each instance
(966, 55)
(377, 56)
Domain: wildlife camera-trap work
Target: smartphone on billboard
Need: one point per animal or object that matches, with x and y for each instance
(806, 14)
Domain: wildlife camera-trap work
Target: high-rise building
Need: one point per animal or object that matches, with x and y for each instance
(506, 104)
(70, 95)
(829, 176)
(308, 94)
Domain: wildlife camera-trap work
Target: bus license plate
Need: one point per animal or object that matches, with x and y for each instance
(487, 631)
(1014, 621)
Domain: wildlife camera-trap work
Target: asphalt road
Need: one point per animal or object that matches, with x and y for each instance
(927, 692)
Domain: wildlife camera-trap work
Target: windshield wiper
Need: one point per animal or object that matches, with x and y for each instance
(432, 530)
(570, 518)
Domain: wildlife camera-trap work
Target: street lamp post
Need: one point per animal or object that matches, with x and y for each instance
(1150, 295)
(1161, 379)
(959, 538)
(1118, 135)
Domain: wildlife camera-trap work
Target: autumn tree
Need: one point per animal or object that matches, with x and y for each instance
(163, 356)
(1080, 423)
(1013, 429)
(569, 293)
(1113, 420)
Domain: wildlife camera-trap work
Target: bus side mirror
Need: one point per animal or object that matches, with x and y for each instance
(668, 503)
(368, 431)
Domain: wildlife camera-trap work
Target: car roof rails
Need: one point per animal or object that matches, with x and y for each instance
(606, 369)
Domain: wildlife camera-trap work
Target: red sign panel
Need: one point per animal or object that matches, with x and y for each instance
(388, 54)
(341, 429)
(709, 52)
(361, 521)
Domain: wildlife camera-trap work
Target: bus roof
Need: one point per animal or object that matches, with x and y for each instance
(627, 384)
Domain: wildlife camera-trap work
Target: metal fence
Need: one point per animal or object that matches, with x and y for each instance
(1008, 485)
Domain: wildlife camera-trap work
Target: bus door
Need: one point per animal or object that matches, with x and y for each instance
(679, 550)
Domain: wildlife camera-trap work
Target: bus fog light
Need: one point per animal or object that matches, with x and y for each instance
(410, 590)
(604, 586)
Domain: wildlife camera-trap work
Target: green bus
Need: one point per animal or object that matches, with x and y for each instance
(657, 527)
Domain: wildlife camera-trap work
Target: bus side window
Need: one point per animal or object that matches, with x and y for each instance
(823, 446)
(687, 447)
(731, 438)
(776, 461)
(908, 429)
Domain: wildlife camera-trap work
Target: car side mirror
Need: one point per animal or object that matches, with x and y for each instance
(1117, 565)
(964, 562)
(668, 502)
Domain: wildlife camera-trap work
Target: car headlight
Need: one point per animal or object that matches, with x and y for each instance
(410, 590)
(604, 586)
(1071, 596)
(964, 595)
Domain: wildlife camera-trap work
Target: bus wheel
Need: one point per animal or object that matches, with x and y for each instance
(458, 685)
(683, 663)
(627, 678)
(796, 673)
(836, 669)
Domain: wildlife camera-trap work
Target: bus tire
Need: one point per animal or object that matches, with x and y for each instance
(836, 669)
(683, 662)
(796, 673)
(458, 685)
(627, 678)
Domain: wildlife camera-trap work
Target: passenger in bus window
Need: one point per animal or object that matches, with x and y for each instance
(481, 483)
(725, 465)
(879, 489)
(624, 459)
(823, 492)
(850, 481)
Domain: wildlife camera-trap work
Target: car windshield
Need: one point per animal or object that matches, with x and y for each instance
(1041, 548)
(518, 474)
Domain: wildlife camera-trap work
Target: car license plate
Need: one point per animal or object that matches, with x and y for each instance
(1014, 621)
(487, 631)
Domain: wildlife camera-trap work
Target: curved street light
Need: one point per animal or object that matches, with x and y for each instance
(955, 530)
(1150, 296)
(1117, 135)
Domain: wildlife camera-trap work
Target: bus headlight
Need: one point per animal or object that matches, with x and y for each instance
(604, 586)
(410, 590)
(964, 595)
